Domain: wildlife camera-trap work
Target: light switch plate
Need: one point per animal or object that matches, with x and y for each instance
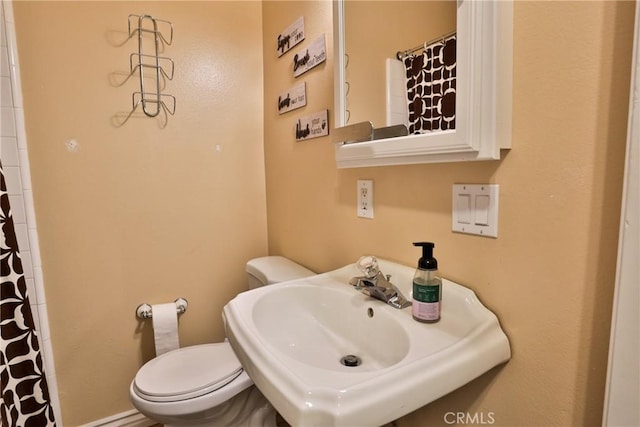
(475, 209)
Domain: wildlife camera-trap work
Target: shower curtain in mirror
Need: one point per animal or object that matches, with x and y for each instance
(431, 87)
(23, 387)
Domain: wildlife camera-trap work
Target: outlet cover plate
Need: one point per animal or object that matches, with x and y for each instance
(365, 198)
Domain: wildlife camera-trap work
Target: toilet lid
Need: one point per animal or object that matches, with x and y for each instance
(187, 372)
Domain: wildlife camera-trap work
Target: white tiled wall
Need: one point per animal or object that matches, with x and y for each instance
(396, 94)
(15, 162)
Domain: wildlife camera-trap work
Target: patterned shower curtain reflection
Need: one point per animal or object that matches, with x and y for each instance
(23, 387)
(431, 87)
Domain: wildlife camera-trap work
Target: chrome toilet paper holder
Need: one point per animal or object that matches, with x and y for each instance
(144, 310)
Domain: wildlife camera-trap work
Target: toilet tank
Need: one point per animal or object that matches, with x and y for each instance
(274, 269)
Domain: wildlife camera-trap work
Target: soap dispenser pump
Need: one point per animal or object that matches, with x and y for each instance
(427, 287)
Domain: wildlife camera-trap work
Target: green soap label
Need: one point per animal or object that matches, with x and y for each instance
(426, 293)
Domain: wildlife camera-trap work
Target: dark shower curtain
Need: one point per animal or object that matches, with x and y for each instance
(431, 87)
(23, 386)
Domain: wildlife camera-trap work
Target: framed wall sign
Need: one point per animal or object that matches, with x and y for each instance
(293, 98)
(290, 37)
(312, 126)
(312, 56)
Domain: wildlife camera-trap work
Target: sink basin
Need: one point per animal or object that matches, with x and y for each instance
(324, 354)
(322, 324)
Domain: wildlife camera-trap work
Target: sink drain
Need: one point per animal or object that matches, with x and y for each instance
(351, 360)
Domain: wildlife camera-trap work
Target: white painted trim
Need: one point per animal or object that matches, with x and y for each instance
(622, 394)
(483, 89)
(131, 418)
(504, 74)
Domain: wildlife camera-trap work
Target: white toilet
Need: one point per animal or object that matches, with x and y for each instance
(205, 385)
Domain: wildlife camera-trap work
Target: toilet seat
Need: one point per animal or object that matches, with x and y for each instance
(187, 373)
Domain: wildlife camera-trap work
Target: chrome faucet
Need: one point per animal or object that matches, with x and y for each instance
(377, 285)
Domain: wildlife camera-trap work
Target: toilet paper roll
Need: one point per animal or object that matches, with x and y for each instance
(165, 327)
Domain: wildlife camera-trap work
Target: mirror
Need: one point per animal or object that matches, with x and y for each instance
(483, 82)
(371, 51)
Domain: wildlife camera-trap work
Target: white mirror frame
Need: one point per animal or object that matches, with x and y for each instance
(483, 95)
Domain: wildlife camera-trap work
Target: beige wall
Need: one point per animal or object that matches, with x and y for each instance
(143, 214)
(550, 274)
(139, 213)
(377, 30)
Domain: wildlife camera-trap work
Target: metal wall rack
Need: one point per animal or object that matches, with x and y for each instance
(158, 68)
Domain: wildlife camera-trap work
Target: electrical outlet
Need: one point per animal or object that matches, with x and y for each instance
(365, 198)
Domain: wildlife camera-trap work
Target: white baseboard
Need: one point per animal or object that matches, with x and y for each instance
(131, 418)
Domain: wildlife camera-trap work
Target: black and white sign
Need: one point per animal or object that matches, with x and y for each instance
(312, 126)
(310, 57)
(293, 98)
(290, 37)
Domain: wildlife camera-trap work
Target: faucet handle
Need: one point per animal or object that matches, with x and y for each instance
(368, 265)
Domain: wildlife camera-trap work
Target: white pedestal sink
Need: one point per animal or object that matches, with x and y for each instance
(294, 340)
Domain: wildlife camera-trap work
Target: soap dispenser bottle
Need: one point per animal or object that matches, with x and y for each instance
(427, 287)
